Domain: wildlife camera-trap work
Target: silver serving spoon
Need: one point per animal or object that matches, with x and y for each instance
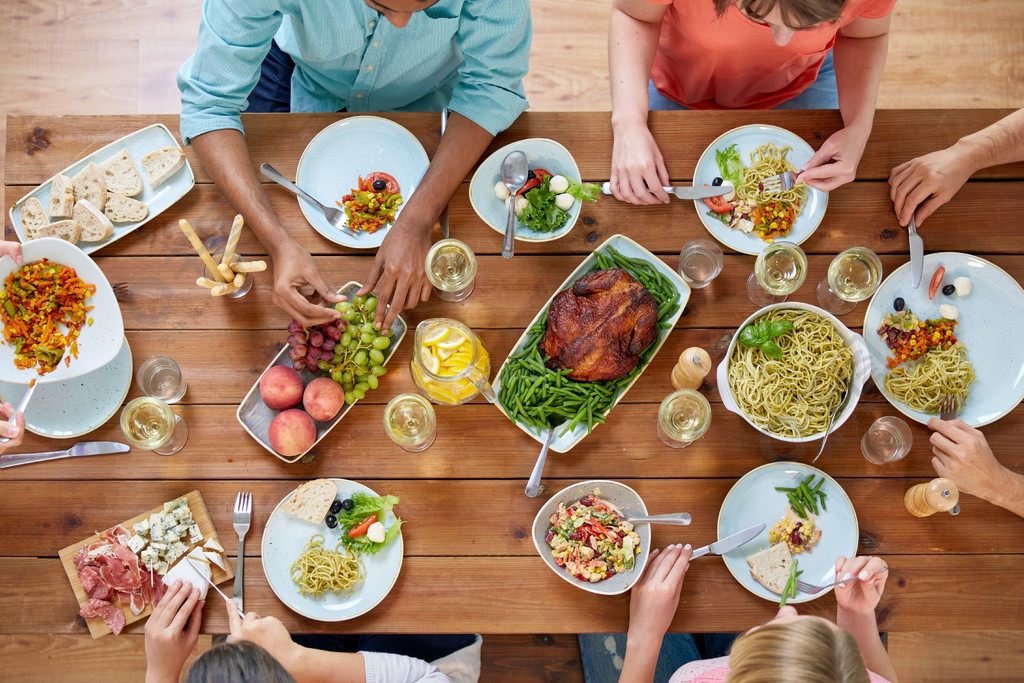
(533, 486)
(676, 518)
(831, 421)
(513, 174)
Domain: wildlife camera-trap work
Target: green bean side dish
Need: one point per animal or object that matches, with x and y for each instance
(538, 396)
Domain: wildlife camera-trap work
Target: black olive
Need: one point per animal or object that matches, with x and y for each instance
(899, 303)
(948, 289)
(717, 182)
(335, 507)
(530, 175)
(379, 185)
(332, 521)
(346, 504)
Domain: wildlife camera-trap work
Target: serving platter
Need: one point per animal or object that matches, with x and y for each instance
(255, 416)
(991, 318)
(159, 199)
(629, 249)
(284, 538)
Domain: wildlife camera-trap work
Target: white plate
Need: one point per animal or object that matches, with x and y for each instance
(629, 249)
(991, 321)
(285, 536)
(621, 496)
(747, 139)
(140, 143)
(62, 410)
(97, 343)
(332, 162)
(753, 499)
(540, 153)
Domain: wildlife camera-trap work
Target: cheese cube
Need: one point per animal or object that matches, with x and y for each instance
(149, 557)
(160, 568)
(194, 534)
(161, 548)
(158, 532)
(178, 548)
(154, 519)
(181, 514)
(141, 528)
(176, 503)
(136, 543)
(180, 530)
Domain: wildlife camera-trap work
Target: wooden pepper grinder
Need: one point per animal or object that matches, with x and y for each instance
(693, 366)
(937, 495)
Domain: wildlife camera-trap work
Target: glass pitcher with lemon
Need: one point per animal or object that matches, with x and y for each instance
(450, 364)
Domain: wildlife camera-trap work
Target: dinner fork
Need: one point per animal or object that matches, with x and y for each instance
(241, 519)
(120, 290)
(779, 183)
(948, 405)
(335, 217)
(811, 589)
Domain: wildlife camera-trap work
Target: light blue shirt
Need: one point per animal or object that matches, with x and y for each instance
(470, 55)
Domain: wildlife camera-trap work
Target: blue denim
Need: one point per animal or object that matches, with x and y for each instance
(821, 94)
(273, 92)
(602, 653)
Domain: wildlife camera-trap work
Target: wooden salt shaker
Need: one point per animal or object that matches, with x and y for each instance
(937, 495)
(693, 366)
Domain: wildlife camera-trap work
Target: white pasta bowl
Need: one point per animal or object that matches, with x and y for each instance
(861, 369)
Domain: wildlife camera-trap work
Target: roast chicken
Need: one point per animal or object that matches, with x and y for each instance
(599, 326)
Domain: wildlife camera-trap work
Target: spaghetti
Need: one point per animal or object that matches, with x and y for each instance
(794, 396)
(935, 374)
(767, 161)
(318, 570)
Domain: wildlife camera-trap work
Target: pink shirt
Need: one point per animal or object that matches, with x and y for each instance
(717, 670)
(732, 62)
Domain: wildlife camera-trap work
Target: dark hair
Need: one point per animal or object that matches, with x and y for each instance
(796, 14)
(238, 662)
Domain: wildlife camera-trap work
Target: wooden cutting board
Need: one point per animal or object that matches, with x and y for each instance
(200, 515)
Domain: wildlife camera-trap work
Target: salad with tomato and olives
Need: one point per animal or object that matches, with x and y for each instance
(373, 203)
(592, 540)
(360, 520)
(544, 201)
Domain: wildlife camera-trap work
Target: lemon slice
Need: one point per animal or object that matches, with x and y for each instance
(467, 391)
(432, 364)
(436, 335)
(453, 341)
(439, 393)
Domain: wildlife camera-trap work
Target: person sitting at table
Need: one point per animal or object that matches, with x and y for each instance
(791, 647)
(355, 56)
(13, 423)
(922, 185)
(963, 456)
(742, 54)
(262, 651)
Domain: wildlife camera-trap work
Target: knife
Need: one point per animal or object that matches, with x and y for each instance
(85, 448)
(213, 585)
(729, 542)
(916, 254)
(686, 191)
(443, 219)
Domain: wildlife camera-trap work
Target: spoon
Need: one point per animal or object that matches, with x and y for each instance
(533, 486)
(676, 518)
(832, 419)
(513, 174)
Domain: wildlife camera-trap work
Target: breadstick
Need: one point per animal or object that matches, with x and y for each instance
(223, 288)
(206, 282)
(248, 266)
(236, 232)
(200, 249)
(225, 272)
(239, 280)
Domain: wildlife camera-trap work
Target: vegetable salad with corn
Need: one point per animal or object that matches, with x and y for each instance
(798, 534)
(591, 540)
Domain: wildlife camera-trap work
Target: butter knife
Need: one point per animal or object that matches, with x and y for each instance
(213, 585)
(443, 219)
(916, 254)
(728, 543)
(79, 449)
(685, 191)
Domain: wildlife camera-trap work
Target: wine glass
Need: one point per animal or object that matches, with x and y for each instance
(451, 269)
(683, 417)
(853, 276)
(779, 270)
(150, 424)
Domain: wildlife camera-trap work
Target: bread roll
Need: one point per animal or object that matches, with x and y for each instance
(90, 186)
(66, 230)
(121, 209)
(162, 164)
(94, 225)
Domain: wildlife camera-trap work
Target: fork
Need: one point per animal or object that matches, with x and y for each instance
(948, 405)
(779, 183)
(120, 290)
(241, 519)
(811, 589)
(335, 217)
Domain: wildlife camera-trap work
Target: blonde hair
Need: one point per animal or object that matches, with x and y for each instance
(802, 651)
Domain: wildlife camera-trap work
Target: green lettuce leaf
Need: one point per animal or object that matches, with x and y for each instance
(730, 165)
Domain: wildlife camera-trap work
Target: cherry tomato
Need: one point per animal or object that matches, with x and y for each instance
(541, 172)
(391, 185)
(360, 529)
(718, 205)
(936, 281)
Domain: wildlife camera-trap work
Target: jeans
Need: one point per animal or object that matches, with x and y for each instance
(273, 92)
(425, 647)
(603, 653)
(821, 94)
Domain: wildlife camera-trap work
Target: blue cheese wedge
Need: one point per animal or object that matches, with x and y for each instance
(137, 543)
(160, 568)
(175, 504)
(195, 535)
(182, 514)
(141, 528)
(149, 558)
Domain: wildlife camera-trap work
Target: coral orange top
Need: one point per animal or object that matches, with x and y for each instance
(732, 62)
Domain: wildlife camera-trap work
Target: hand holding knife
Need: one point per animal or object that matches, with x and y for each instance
(214, 586)
(729, 543)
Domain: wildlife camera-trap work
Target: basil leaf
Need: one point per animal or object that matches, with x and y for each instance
(752, 336)
(771, 349)
(777, 328)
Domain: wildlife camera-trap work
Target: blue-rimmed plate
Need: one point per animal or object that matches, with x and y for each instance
(285, 537)
(62, 410)
(747, 139)
(753, 499)
(332, 162)
(991, 320)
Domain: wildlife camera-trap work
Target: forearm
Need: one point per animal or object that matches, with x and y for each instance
(1008, 492)
(859, 63)
(632, 44)
(641, 659)
(1000, 143)
(864, 629)
(307, 665)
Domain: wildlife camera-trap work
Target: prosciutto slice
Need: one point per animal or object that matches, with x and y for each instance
(108, 568)
(111, 614)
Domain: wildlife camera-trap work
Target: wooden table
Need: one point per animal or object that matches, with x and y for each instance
(470, 564)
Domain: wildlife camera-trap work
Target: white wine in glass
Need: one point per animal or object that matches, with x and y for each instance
(410, 422)
(150, 424)
(684, 417)
(780, 270)
(853, 276)
(451, 268)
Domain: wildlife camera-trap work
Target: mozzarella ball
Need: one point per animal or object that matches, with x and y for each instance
(501, 191)
(949, 311)
(962, 286)
(564, 201)
(731, 194)
(376, 532)
(521, 203)
(558, 184)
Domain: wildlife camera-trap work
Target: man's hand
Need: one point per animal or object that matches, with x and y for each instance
(922, 185)
(835, 163)
(638, 167)
(12, 426)
(963, 455)
(168, 641)
(295, 278)
(399, 273)
(12, 249)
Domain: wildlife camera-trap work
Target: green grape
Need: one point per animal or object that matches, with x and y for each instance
(359, 300)
(376, 356)
(361, 358)
(345, 340)
(353, 345)
(366, 339)
(350, 397)
(359, 393)
(362, 386)
(348, 386)
(336, 375)
(349, 316)
(361, 377)
(343, 306)
(346, 378)
(381, 343)
(378, 370)
(322, 364)
(371, 304)
(372, 381)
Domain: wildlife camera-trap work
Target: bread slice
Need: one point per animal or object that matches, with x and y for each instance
(770, 567)
(66, 230)
(162, 164)
(62, 197)
(33, 215)
(312, 501)
(90, 186)
(121, 209)
(94, 225)
(120, 174)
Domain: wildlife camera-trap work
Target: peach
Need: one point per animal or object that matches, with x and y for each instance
(291, 432)
(281, 388)
(323, 398)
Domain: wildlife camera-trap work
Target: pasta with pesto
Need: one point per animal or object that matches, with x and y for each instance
(767, 161)
(318, 571)
(935, 374)
(794, 396)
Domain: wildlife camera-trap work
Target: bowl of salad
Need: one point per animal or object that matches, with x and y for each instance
(581, 534)
(547, 206)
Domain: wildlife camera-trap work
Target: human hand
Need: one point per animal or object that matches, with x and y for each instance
(12, 249)
(636, 160)
(835, 163)
(399, 274)
(12, 426)
(922, 185)
(295, 278)
(168, 641)
(963, 455)
(267, 632)
(860, 596)
(654, 599)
